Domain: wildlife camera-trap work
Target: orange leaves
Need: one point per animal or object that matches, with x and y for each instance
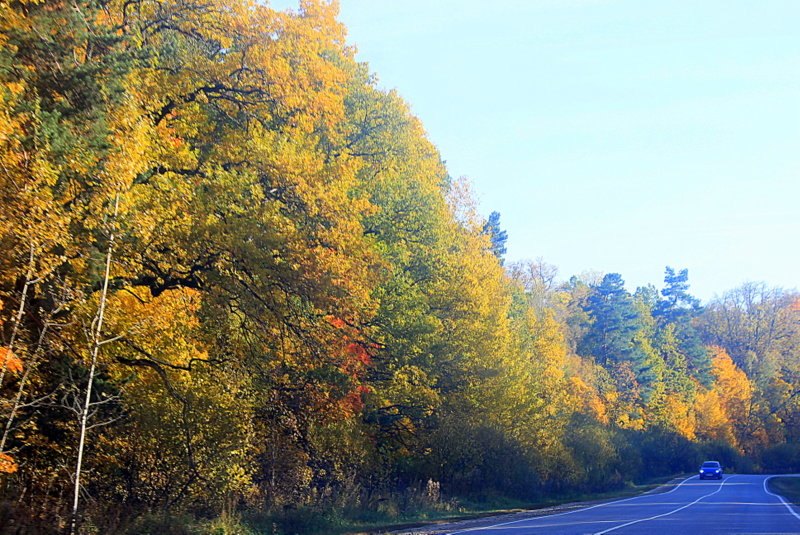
(339, 323)
(358, 352)
(354, 401)
(354, 349)
(9, 360)
(7, 464)
(349, 352)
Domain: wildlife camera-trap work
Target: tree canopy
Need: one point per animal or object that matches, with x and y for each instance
(238, 278)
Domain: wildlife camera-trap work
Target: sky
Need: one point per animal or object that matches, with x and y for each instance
(612, 136)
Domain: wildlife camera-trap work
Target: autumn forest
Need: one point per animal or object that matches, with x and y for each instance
(240, 293)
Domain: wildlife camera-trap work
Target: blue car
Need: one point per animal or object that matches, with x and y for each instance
(711, 470)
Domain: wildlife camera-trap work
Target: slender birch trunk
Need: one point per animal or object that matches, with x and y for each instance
(18, 317)
(29, 367)
(96, 343)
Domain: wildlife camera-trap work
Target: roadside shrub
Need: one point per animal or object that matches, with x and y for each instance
(783, 458)
(162, 523)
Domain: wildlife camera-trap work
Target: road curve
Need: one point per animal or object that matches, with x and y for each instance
(737, 504)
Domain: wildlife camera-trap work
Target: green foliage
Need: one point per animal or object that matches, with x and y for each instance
(497, 236)
(614, 323)
(682, 311)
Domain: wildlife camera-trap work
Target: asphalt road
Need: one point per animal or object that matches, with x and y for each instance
(736, 504)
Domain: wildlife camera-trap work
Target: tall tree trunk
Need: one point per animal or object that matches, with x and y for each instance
(96, 343)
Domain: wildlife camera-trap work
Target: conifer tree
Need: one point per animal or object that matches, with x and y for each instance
(681, 309)
(614, 323)
(498, 236)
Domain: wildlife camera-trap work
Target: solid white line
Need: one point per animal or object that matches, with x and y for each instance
(788, 506)
(722, 483)
(567, 512)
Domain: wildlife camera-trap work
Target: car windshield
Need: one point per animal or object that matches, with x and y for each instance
(711, 465)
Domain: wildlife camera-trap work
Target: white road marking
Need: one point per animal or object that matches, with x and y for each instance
(722, 484)
(567, 512)
(788, 506)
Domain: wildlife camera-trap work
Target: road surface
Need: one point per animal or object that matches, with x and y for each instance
(736, 504)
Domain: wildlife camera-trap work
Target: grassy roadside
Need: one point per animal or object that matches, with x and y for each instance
(419, 517)
(475, 510)
(788, 487)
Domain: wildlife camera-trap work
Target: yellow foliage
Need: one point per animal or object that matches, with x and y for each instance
(681, 415)
(586, 399)
(734, 388)
(716, 424)
(735, 394)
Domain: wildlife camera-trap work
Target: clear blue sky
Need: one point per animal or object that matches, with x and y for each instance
(617, 136)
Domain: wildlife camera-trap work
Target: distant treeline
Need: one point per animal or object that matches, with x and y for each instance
(236, 279)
